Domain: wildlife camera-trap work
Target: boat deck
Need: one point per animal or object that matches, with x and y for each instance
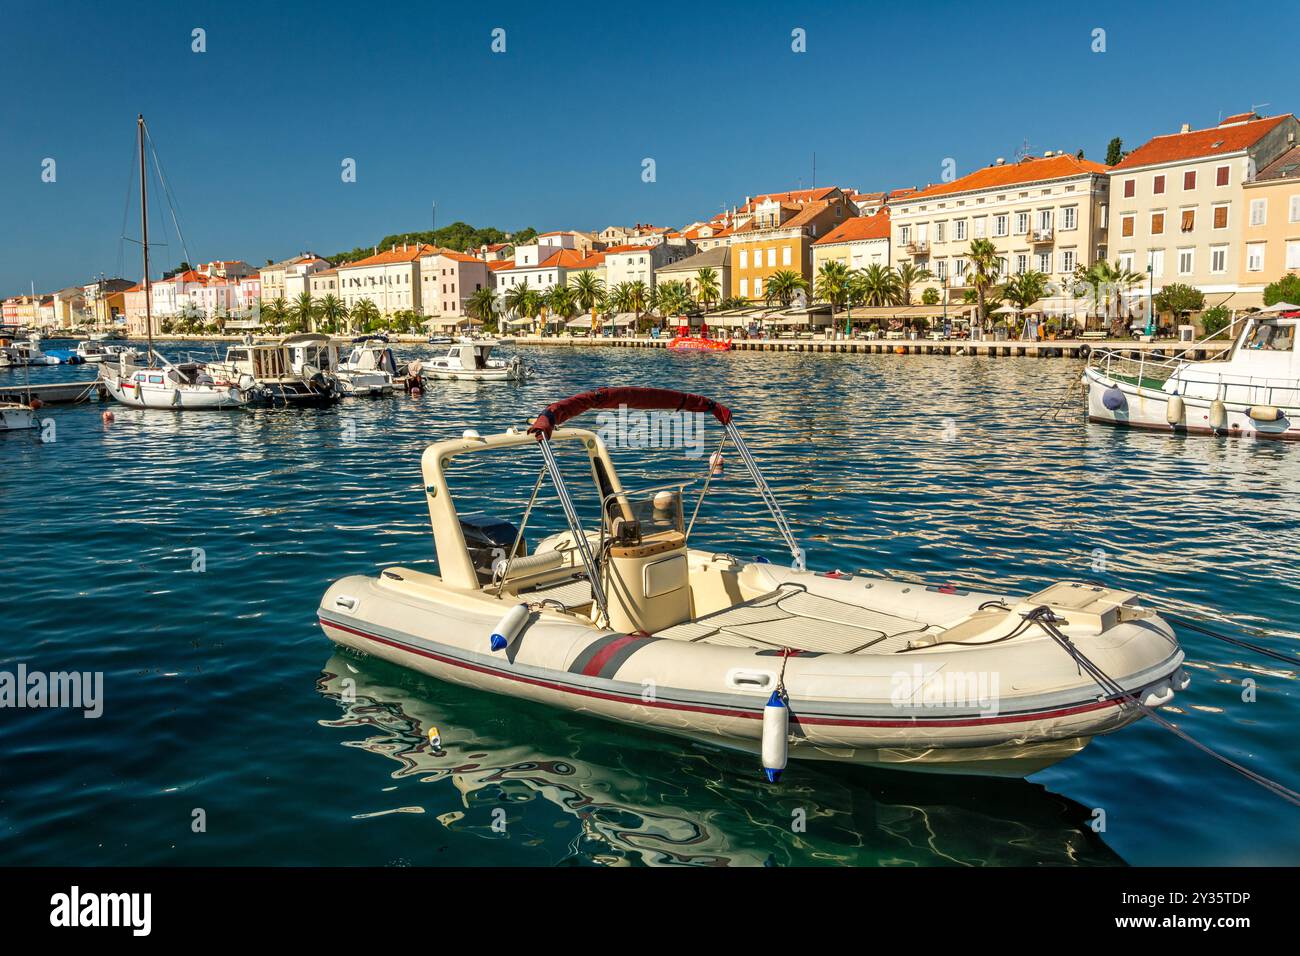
(788, 617)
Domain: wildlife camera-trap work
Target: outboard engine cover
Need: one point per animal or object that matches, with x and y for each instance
(488, 539)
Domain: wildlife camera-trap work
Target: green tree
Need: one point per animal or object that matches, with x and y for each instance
(930, 296)
(589, 289)
(909, 274)
(834, 284)
(878, 285)
(1025, 289)
(333, 314)
(482, 305)
(671, 298)
(783, 285)
(561, 302)
(707, 289)
(365, 316)
(982, 274)
(274, 314)
(1179, 298)
(1114, 151)
(1285, 289)
(303, 313)
(1215, 320)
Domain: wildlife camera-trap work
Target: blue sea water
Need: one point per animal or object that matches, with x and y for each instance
(221, 694)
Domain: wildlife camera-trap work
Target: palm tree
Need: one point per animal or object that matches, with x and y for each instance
(561, 302)
(672, 298)
(877, 285)
(482, 305)
(783, 285)
(833, 285)
(273, 314)
(516, 300)
(366, 314)
(707, 289)
(589, 289)
(1025, 289)
(303, 313)
(332, 313)
(532, 304)
(638, 299)
(982, 273)
(909, 274)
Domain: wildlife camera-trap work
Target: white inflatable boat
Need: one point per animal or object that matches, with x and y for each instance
(625, 620)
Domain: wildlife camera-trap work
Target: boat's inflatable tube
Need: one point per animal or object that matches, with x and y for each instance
(776, 729)
(1218, 415)
(529, 563)
(508, 628)
(1113, 399)
(1264, 413)
(1174, 410)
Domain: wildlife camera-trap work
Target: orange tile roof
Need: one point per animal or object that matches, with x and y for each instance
(325, 272)
(394, 256)
(593, 260)
(631, 247)
(501, 264)
(1029, 170)
(792, 195)
(1232, 135)
(860, 227)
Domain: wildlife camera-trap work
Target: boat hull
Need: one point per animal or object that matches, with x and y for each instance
(1148, 408)
(16, 418)
(176, 399)
(841, 705)
(699, 345)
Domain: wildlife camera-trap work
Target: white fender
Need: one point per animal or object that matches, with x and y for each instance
(1218, 415)
(776, 729)
(508, 628)
(1264, 413)
(1174, 410)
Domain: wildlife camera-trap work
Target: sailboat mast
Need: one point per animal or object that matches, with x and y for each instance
(144, 231)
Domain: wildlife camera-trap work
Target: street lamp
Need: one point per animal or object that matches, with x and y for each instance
(1151, 301)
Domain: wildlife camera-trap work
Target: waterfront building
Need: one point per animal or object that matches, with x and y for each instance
(1043, 214)
(541, 266)
(289, 278)
(20, 310)
(323, 283)
(594, 262)
(686, 270)
(133, 300)
(105, 299)
(68, 308)
(1179, 204)
(496, 252)
(780, 235)
(584, 242)
(857, 243)
(226, 269)
(390, 279)
(447, 280)
(638, 263)
(1270, 242)
(177, 294)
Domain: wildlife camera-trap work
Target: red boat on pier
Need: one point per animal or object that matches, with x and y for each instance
(702, 342)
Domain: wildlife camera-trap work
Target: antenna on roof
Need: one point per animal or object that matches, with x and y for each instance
(1256, 107)
(1026, 149)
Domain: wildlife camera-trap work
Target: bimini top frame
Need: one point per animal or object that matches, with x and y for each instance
(559, 412)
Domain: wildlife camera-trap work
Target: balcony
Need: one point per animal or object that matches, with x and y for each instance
(1039, 236)
(917, 247)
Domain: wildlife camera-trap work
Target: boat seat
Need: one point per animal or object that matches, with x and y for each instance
(791, 617)
(571, 592)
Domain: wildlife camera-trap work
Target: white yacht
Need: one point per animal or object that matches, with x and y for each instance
(471, 359)
(15, 416)
(369, 369)
(1254, 390)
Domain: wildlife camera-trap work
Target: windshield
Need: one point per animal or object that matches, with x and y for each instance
(1269, 336)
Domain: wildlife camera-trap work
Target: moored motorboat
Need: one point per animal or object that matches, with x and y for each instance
(16, 416)
(624, 619)
(1253, 391)
(282, 372)
(368, 369)
(183, 386)
(471, 359)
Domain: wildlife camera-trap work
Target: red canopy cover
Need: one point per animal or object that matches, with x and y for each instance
(557, 413)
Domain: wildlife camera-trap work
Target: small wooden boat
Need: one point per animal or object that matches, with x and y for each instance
(702, 342)
(1253, 391)
(624, 619)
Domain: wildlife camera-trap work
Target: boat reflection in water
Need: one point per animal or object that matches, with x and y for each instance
(641, 799)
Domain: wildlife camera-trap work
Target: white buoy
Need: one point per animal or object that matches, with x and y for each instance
(508, 628)
(1264, 413)
(716, 463)
(776, 729)
(1174, 410)
(1218, 415)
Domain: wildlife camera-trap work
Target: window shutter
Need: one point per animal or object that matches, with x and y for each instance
(1157, 223)
(1189, 220)
(1220, 217)
(1189, 179)
(1158, 185)
(1126, 226)
(1221, 176)
(1130, 188)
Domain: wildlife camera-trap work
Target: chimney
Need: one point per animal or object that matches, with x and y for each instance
(1047, 154)
(1001, 161)
(1187, 128)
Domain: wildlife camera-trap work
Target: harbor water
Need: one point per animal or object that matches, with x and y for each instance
(183, 556)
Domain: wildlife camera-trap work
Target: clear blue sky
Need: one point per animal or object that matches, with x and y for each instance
(552, 132)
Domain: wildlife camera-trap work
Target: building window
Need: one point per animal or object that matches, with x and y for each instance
(1189, 179)
(1126, 226)
(1044, 262)
(1158, 185)
(959, 230)
(1156, 262)
(1022, 264)
(1293, 254)
(1221, 176)
(1157, 223)
(1186, 261)
(1045, 220)
(1188, 222)
(981, 223)
(941, 270)
(1130, 188)
(744, 287)
(1220, 217)
(1069, 217)
(938, 230)
(1022, 223)
(1000, 225)
(959, 267)
(1259, 211)
(771, 258)
(1067, 260)
(1255, 257)
(744, 261)
(1126, 261)
(1218, 259)
(1294, 215)
(785, 253)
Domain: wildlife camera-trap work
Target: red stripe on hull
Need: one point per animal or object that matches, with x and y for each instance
(723, 711)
